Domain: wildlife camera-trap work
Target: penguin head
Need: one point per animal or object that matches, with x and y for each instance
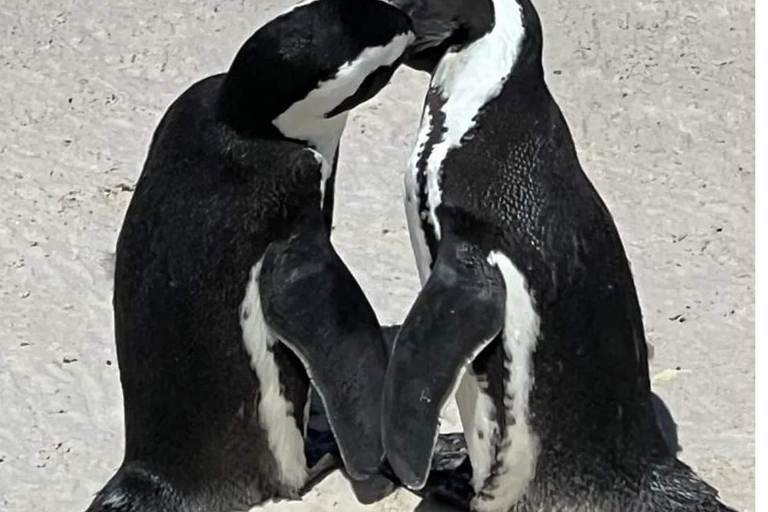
(443, 24)
(300, 73)
(451, 25)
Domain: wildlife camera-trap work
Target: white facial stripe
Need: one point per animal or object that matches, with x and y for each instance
(305, 119)
(466, 80)
(275, 411)
(517, 460)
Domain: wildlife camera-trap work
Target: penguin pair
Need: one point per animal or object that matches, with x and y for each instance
(230, 303)
(528, 311)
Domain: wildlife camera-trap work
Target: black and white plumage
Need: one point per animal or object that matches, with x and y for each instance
(529, 311)
(229, 300)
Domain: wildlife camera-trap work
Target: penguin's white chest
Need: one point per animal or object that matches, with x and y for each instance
(504, 459)
(464, 82)
(275, 411)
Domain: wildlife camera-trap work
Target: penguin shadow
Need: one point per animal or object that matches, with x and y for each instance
(666, 423)
(448, 487)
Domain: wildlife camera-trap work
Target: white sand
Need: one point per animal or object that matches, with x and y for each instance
(659, 94)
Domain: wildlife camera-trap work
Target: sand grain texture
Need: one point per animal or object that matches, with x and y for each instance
(659, 95)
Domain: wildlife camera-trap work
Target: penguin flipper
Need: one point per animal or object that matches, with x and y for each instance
(459, 311)
(450, 481)
(315, 307)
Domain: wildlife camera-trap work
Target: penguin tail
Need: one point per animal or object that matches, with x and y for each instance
(676, 486)
(135, 489)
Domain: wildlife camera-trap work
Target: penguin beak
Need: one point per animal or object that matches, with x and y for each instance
(459, 311)
(314, 305)
(432, 21)
(441, 24)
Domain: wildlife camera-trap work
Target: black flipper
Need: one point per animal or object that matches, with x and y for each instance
(314, 305)
(459, 311)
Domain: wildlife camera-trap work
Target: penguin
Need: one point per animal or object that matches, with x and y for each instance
(528, 312)
(230, 303)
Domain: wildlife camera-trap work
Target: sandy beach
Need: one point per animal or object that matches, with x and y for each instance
(659, 95)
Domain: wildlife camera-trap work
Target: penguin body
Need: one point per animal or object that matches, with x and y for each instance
(230, 301)
(528, 311)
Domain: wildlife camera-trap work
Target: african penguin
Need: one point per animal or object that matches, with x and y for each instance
(229, 299)
(528, 311)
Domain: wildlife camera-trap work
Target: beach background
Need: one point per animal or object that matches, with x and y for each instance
(659, 95)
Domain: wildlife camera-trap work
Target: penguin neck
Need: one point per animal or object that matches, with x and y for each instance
(320, 133)
(465, 80)
(471, 76)
(280, 99)
(304, 119)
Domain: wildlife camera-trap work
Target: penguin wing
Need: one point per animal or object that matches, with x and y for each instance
(459, 311)
(313, 304)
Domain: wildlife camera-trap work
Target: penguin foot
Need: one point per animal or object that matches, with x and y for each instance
(323, 458)
(450, 474)
(450, 452)
(318, 444)
(323, 467)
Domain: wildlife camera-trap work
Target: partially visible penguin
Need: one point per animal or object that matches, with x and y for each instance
(229, 298)
(528, 305)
